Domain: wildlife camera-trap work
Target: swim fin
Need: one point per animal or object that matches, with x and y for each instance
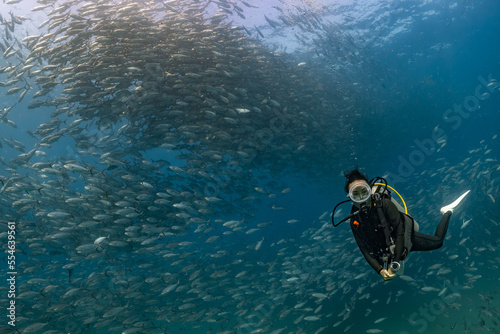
(452, 206)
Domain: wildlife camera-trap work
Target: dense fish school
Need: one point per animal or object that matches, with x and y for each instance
(158, 129)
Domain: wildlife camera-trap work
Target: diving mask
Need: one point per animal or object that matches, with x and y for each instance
(360, 192)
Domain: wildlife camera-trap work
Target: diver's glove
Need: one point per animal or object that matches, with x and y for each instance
(387, 274)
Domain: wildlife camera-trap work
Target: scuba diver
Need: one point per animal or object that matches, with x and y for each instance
(383, 230)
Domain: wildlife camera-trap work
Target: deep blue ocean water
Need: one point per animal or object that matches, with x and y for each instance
(405, 90)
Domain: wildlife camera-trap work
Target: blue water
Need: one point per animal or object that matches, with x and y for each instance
(399, 89)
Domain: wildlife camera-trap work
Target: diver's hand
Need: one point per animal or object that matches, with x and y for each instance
(387, 274)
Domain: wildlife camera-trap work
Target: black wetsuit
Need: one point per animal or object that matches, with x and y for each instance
(425, 242)
(370, 235)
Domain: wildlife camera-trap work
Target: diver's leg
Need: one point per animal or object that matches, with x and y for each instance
(425, 242)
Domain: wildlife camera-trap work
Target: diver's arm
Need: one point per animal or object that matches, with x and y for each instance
(371, 260)
(398, 251)
(395, 218)
(366, 253)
